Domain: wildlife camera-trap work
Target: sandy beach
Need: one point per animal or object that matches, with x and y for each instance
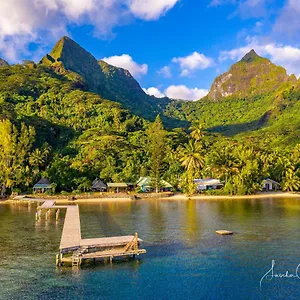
(220, 197)
(177, 197)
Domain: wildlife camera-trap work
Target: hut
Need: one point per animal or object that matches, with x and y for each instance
(208, 184)
(119, 187)
(42, 186)
(99, 186)
(270, 185)
(145, 184)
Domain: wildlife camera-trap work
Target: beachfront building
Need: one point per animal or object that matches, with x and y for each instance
(42, 186)
(146, 185)
(119, 187)
(270, 185)
(208, 184)
(99, 186)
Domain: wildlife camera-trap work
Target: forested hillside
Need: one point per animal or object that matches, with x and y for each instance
(254, 102)
(109, 81)
(71, 119)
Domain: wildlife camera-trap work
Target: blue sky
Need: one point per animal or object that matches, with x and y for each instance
(172, 47)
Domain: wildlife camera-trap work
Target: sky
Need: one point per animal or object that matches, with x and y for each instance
(173, 48)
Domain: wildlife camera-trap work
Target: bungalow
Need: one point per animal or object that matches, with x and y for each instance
(146, 185)
(120, 187)
(42, 186)
(208, 184)
(270, 185)
(98, 185)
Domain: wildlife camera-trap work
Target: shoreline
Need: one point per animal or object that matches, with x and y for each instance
(177, 197)
(228, 197)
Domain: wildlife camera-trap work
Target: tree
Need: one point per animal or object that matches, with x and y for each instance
(223, 163)
(15, 147)
(157, 150)
(192, 160)
(197, 131)
(291, 181)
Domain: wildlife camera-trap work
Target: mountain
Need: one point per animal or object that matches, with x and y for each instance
(252, 75)
(254, 102)
(110, 82)
(86, 116)
(3, 63)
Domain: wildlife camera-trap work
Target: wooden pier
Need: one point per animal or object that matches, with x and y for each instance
(71, 234)
(75, 250)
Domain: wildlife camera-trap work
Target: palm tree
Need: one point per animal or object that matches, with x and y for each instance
(37, 158)
(191, 157)
(223, 163)
(192, 160)
(197, 131)
(291, 181)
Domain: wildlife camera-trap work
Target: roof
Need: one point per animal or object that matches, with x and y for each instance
(98, 184)
(146, 182)
(270, 180)
(117, 184)
(165, 184)
(143, 181)
(95, 180)
(43, 183)
(208, 181)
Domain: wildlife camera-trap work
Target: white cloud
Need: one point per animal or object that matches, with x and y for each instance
(283, 55)
(185, 93)
(125, 61)
(288, 22)
(25, 21)
(153, 91)
(246, 8)
(181, 92)
(150, 9)
(193, 62)
(165, 71)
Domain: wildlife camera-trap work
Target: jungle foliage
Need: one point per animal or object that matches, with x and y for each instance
(58, 120)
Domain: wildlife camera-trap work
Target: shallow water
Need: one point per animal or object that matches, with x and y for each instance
(185, 258)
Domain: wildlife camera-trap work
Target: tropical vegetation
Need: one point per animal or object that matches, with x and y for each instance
(71, 118)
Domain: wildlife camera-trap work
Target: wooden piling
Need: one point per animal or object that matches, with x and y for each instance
(75, 250)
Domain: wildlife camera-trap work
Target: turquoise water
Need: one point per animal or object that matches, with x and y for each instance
(185, 258)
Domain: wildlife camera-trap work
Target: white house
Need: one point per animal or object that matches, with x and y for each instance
(270, 185)
(208, 184)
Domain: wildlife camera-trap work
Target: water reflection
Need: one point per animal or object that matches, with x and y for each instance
(158, 221)
(185, 258)
(191, 220)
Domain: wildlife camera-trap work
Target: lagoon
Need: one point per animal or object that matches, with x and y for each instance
(185, 258)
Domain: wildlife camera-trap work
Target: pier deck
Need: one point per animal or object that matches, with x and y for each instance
(95, 248)
(71, 234)
(84, 249)
(114, 241)
(47, 204)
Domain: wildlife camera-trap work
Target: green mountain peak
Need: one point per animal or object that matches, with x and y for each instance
(72, 57)
(3, 63)
(252, 75)
(251, 57)
(108, 81)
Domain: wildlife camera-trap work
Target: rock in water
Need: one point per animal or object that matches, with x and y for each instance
(224, 232)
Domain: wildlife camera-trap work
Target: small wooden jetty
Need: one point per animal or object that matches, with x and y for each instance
(224, 232)
(71, 234)
(74, 250)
